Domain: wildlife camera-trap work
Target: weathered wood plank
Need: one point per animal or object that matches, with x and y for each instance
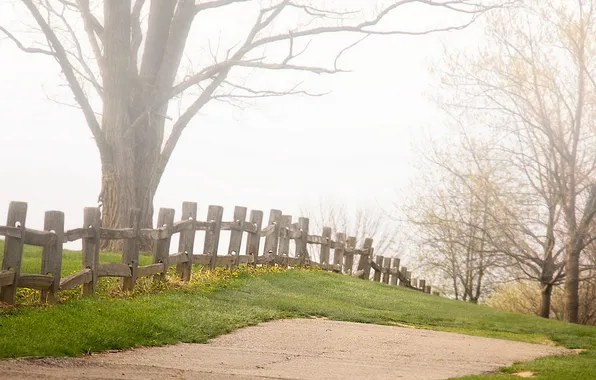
(427, 289)
(254, 238)
(130, 250)
(236, 234)
(421, 285)
(150, 270)
(6, 278)
(414, 283)
(14, 232)
(51, 255)
(161, 248)
(113, 270)
(214, 215)
(13, 250)
(186, 244)
(179, 259)
(249, 227)
(315, 239)
(39, 238)
(35, 281)
(225, 260)
(75, 279)
(77, 234)
(202, 259)
(90, 255)
(117, 234)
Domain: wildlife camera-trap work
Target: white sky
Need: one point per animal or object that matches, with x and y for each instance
(354, 145)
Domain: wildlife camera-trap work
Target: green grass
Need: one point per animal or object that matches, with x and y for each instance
(218, 305)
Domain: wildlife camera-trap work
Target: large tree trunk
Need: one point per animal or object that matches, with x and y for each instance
(546, 293)
(572, 286)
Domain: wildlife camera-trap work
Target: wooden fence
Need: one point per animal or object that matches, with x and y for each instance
(338, 255)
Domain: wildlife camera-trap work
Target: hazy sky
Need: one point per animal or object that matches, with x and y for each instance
(354, 145)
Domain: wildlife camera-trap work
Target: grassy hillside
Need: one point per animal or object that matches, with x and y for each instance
(205, 309)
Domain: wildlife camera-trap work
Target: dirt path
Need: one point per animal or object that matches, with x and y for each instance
(295, 349)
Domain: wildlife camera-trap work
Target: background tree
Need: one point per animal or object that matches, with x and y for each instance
(453, 220)
(360, 222)
(123, 63)
(532, 84)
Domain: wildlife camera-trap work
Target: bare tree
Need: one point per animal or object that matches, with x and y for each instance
(453, 221)
(125, 57)
(533, 84)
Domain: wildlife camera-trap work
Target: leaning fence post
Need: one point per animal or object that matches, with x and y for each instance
(51, 255)
(214, 216)
(422, 285)
(338, 252)
(284, 237)
(394, 271)
(13, 250)
(236, 234)
(325, 248)
(363, 264)
(349, 255)
(385, 269)
(402, 277)
(161, 248)
(272, 240)
(90, 255)
(378, 270)
(414, 283)
(187, 240)
(254, 238)
(302, 242)
(130, 250)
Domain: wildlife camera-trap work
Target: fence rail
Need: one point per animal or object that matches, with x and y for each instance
(338, 255)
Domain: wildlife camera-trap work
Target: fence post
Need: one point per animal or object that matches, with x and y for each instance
(284, 237)
(13, 250)
(350, 247)
(51, 255)
(90, 255)
(427, 289)
(130, 250)
(214, 215)
(409, 278)
(379, 262)
(422, 285)
(272, 240)
(236, 235)
(161, 248)
(325, 248)
(187, 240)
(363, 264)
(254, 239)
(386, 268)
(414, 283)
(403, 275)
(302, 243)
(338, 252)
(394, 268)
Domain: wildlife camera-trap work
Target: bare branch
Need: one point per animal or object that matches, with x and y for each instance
(24, 48)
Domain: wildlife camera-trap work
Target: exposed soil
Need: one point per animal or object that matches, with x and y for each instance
(296, 349)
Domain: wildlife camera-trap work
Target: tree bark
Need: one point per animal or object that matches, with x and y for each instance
(572, 286)
(547, 290)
